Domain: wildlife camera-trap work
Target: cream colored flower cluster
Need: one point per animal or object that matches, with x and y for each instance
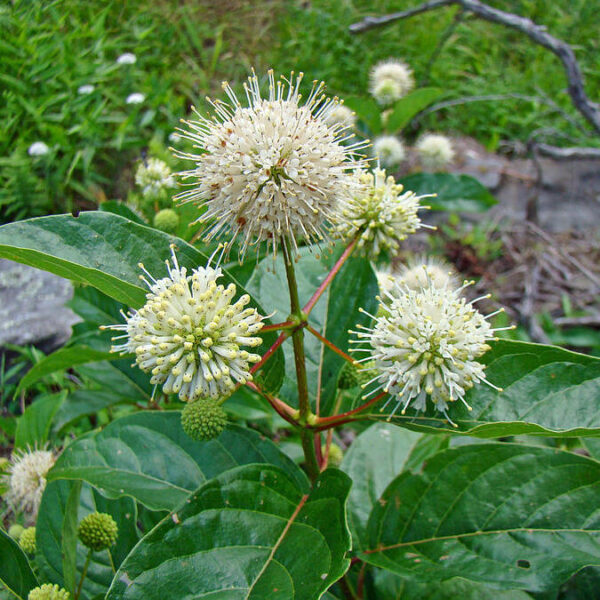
(190, 336)
(425, 345)
(273, 168)
(154, 176)
(383, 213)
(390, 80)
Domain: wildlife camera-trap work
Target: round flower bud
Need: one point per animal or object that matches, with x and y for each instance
(435, 150)
(390, 80)
(49, 591)
(348, 377)
(98, 531)
(27, 540)
(389, 150)
(15, 531)
(153, 176)
(335, 456)
(203, 419)
(166, 220)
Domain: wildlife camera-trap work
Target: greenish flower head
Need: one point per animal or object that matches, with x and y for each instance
(335, 456)
(98, 531)
(48, 591)
(27, 540)
(15, 531)
(166, 220)
(353, 375)
(203, 419)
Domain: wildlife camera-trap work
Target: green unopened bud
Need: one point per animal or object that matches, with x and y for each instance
(98, 531)
(166, 220)
(366, 372)
(335, 456)
(348, 378)
(203, 419)
(4, 462)
(15, 531)
(49, 591)
(27, 540)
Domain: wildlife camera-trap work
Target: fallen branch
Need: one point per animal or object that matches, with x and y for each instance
(590, 110)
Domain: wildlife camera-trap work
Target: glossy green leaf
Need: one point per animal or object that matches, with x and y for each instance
(103, 250)
(390, 586)
(59, 554)
(83, 403)
(148, 456)
(374, 459)
(546, 391)
(62, 359)
(508, 515)
(458, 193)
(15, 572)
(120, 378)
(367, 110)
(354, 287)
(34, 425)
(250, 533)
(119, 208)
(410, 106)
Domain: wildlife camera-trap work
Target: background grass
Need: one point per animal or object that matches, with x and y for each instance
(184, 49)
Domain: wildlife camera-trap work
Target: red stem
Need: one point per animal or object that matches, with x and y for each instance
(274, 326)
(329, 344)
(282, 337)
(338, 265)
(284, 410)
(327, 422)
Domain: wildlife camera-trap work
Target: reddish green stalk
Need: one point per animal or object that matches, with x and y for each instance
(285, 411)
(330, 345)
(328, 422)
(284, 325)
(300, 362)
(282, 337)
(338, 265)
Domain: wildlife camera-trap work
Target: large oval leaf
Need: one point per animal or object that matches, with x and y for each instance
(60, 555)
(148, 456)
(103, 250)
(15, 572)
(251, 533)
(546, 391)
(408, 107)
(374, 459)
(508, 515)
(460, 193)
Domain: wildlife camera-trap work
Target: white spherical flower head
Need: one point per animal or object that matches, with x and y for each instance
(389, 150)
(26, 479)
(341, 115)
(382, 214)
(425, 346)
(420, 272)
(385, 280)
(128, 58)
(390, 80)
(273, 168)
(435, 150)
(135, 98)
(154, 176)
(84, 90)
(38, 149)
(190, 335)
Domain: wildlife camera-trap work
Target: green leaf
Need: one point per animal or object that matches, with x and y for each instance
(377, 456)
(60, 556)
(119, 208)
(408, 107)
(103, 250)
(354, 287)
(392, 586)
(83, 403)
(508, 515)
(34, 425)
(120, 378)
(62, 359)
(148, 456)
(458, 193)
(546, 391)
(250, 533)
(15, 572)
(367, 110)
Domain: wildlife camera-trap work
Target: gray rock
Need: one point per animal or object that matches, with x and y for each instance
(32, 307)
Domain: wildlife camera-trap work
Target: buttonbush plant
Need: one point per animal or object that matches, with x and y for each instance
(255, 418)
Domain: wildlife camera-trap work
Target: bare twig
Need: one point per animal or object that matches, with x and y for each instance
(586, 321)
(537, 33)
(567, 153)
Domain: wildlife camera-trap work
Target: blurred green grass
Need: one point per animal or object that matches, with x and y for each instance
(184, 49)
